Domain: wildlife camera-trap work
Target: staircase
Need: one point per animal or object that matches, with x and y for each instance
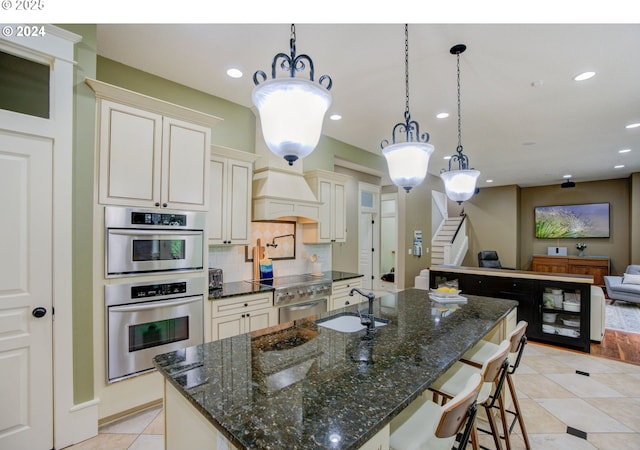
(441, 242)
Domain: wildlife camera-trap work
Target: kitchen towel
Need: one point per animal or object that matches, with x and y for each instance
(266, 269)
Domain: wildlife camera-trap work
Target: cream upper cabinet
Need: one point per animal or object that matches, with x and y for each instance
(229, 217)
(330, 189)
(152, 154)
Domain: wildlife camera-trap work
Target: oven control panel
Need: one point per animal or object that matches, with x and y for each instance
(155, 290)
(147, 218)
(118, 294)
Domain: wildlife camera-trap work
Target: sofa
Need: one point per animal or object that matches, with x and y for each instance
(626, 287)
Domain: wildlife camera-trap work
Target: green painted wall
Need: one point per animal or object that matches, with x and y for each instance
(328, 148)
(83, 182)
(236, 131)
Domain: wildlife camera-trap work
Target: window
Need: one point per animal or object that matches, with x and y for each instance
(24, 86)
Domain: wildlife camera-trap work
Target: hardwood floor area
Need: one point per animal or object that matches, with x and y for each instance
(618, 345)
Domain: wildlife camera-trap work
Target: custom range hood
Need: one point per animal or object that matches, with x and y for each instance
(280, 191)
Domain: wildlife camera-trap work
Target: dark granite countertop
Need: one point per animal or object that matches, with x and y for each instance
(337, 275)
(309, 387)
(509, 273)
(237, 288)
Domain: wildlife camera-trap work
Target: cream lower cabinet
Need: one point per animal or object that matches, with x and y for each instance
(229, 217)
(238, 315)
(330, 189)
(340, 293)
(152, 154)
(186, 427)
(501, 331)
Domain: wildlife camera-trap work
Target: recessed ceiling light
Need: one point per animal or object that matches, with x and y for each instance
(619, 166)
(447, 157)
(567, 176)
(234, 73)
(633, 125)
(624, 150)
(584, 76)
(335, 117)
(489, 181)
(442, 115)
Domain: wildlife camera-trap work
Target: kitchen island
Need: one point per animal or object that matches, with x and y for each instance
(302, 386)
(552, 320)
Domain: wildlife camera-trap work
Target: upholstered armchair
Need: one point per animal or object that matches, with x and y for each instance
(626, 287)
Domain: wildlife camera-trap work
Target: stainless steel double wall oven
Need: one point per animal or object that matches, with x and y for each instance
(163, 312)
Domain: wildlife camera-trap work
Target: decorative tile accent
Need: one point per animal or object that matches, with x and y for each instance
(274, 233)
(231, 259)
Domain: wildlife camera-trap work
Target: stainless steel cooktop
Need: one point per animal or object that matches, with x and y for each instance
(297, 288)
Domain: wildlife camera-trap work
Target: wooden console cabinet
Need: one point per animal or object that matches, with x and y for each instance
(598, 267)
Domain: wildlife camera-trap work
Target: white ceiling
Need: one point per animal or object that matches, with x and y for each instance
(513, 132)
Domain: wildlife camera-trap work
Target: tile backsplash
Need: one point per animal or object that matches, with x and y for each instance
(231, 258)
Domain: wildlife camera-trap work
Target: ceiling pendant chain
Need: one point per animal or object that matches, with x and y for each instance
(292, 43)
(459, 149)
(406, 67)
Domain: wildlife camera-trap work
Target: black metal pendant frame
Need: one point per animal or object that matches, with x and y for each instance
(292, 64)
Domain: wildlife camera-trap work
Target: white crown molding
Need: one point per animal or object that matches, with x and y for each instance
(125, 96)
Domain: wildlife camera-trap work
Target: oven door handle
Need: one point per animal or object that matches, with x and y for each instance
(167, 231)
(301, 307)
(153, 305)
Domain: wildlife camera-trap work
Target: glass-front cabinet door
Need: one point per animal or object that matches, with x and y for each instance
(564, 311)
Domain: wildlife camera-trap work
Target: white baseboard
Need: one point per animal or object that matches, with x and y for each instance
(83, 424)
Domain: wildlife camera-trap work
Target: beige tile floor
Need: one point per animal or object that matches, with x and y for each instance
(605, 405)
(140, 431)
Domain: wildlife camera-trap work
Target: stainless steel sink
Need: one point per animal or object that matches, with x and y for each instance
(347, 323)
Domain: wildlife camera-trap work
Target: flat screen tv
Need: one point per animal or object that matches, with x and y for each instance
(572, 221)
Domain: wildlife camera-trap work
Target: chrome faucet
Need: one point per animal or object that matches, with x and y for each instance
(368, 320)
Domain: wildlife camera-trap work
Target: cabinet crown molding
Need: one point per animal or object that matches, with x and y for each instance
(327, 174)
(125, 96)
(228, 152)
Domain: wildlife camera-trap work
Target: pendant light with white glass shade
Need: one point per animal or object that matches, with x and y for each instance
(460, 184)
(408, 160)
(291, 109)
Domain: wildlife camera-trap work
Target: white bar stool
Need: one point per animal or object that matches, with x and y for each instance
(426, 425)
(483, 351)
(493, 373)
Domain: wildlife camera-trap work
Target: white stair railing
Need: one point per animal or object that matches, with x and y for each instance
(450, 243)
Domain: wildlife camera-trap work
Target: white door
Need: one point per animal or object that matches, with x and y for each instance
(26, 410)
(366, 249)
(369, 234)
